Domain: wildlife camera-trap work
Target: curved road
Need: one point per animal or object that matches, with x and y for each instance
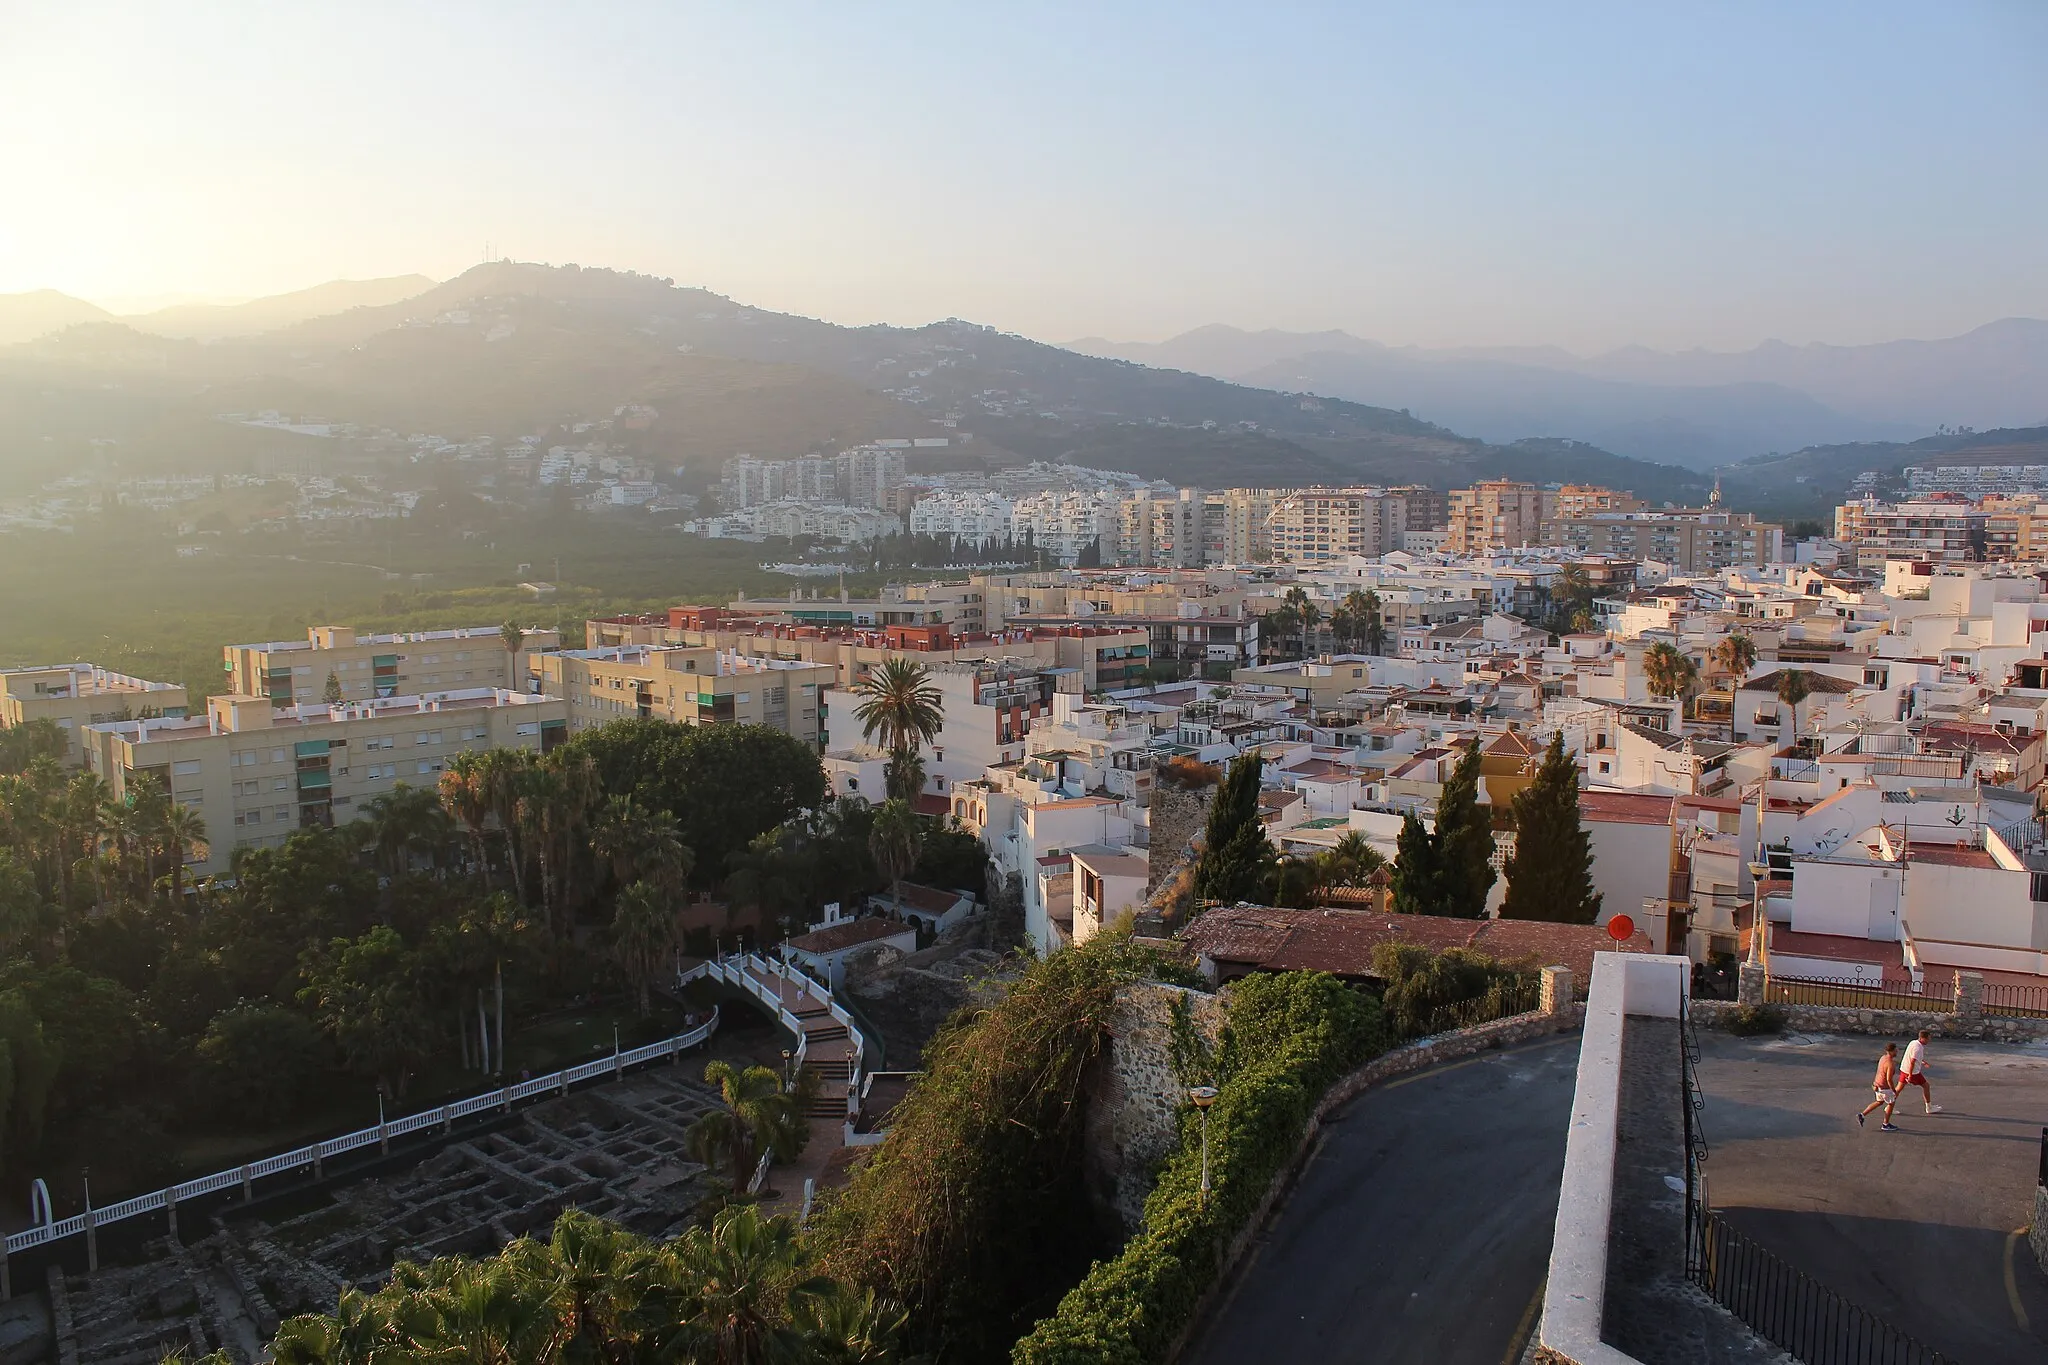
(1420, 1232)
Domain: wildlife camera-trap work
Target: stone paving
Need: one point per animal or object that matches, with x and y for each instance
(614, 1150)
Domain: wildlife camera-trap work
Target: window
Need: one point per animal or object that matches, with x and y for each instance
(430, 765)
(277, 755)
(280, 784)
(420, 738)
(282, 814)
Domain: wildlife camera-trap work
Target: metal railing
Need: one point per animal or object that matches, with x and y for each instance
(1788, 1307)
(1850, 993)
(244, 1177)
(2013, 999)
(1504, 999)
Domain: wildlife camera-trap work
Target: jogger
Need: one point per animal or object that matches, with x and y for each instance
(1885, 1087)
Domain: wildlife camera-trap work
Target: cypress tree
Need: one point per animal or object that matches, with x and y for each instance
(1464, 841)
(1238, 861)
(1551, 875)
(1418, 883)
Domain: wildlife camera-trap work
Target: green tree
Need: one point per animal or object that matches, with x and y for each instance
(28, 1070)
(1550, 876)
(1418, 877)
(1735, 654)
(756, 1115)
(1667, 672)
(1464, 840)
(21, 745)
(895, 841)
(405, 824)
(259, 1059)
(331, 693)
(899, 705)
(643, 935)
(369, 996)
(1237, 861)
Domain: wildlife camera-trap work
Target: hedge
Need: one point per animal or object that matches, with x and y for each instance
(1288, 1038)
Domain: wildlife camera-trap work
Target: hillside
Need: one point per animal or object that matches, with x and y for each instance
(206, 321)
(1810, 482)
(506, 349)
(23, 317)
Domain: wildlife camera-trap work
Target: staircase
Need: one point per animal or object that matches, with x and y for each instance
(828, 1055)
(831, 1050)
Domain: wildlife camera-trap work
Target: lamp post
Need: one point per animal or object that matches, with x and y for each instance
(787, 1055)
(1759, 924)
(1204, 1096)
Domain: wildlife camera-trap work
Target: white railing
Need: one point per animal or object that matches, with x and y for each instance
(443, 1117)
(760, 1173)
(752, 973)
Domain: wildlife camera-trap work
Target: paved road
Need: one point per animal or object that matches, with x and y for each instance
(1913, 1226)
(1420, 1232)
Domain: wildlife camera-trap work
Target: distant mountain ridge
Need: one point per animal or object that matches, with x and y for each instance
(25, 317)
(1700, 408)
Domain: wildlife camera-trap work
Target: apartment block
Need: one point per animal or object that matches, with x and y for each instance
(1695, 541)
(1950, 531)
(1067, 525)
(368, 667)
(1316, 524)
(256, 772)
(1187, 528)
(956, 605)
(989, 706)
(1589, 499)
(1495, 514)
(870, 475)
(77, 695)
(686, 685)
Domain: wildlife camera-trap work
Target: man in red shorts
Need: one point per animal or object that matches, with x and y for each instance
(1913, 1071)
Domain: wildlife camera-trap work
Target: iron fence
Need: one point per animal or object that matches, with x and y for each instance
(1504, 999)
(2011, 998)
(1848, 993)
(1810, 1321)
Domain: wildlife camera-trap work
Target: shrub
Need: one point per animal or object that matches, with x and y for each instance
(1190, 774)
(1287, 1038)
(1749, 1021)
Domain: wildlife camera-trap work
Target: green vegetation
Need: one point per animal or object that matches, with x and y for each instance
(1550, 876)
(1237, 861)
(1450, 871)
(1751, 1021)
(1288, 1038)
(1425, 992)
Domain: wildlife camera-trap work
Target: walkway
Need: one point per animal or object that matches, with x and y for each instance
(1914, 1226)
(1420, 1232)
(828, 1045)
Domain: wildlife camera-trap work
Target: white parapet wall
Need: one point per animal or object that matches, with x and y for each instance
(1575, 1299)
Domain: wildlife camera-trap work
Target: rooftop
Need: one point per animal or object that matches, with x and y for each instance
(849, 933)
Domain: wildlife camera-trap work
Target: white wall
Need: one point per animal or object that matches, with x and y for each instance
(1631, 863)
(1851, 899)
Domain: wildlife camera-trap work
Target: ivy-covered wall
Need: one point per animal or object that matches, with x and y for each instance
(1134, 1110)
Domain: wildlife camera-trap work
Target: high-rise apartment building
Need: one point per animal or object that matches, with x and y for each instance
(256, 772)
(1494, 514)
(1315, 524)
(868, 476)
(1946, 530)
(1692, 540)
(1068, 525)
(371, 666)
(1587, 499)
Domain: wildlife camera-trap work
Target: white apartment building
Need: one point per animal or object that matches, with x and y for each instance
(1066, 524)
(1317, 524)
(977, 519)
(869, 474)
(989, 705)
(256, 772)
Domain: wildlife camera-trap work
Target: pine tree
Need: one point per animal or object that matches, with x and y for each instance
(1551, 875)
(1464, 841)
(1418, 881)
(331, 693)
(1238, 861)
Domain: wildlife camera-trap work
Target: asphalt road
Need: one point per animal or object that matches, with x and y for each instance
(1915, 1226)
(1420, 1231)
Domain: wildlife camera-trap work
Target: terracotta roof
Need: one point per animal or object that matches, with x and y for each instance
(931, 803)
(1625, 808)
(1947, 855)
(835, 938)
(930, 899)
(1816, 683)
(1342, 941)
(1320, 770)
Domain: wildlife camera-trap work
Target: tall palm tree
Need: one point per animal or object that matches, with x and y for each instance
(505, 776)
(404, 821)
(643, 935)
(902, 708)
(896, 840)
(184, 832)
(1736, 654)
(515, 640)
(542, 817)
(466, 797)
(1277, 625)
(1795, 685)
(1374, 629)
(1667, 671)
(757, 1115)
(1306, 613)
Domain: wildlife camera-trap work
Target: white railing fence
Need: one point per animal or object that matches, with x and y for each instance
(168, 1199)
(753, 973)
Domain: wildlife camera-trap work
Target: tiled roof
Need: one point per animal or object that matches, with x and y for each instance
(846, 934)
(1816, 683)
(1342, 941)
(1625, 808)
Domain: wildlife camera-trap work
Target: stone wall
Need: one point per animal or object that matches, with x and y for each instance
(1990, 1028)
(1134, 1120)
(2037, 1232)
(1178, 815)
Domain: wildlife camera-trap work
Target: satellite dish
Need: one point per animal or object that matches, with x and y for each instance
(1621, 928)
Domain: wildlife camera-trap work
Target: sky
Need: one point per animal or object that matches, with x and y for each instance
(1438, 173)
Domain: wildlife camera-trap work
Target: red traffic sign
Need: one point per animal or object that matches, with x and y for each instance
(1621, 928)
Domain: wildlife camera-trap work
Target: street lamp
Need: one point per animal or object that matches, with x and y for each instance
(1204, 1096)
(1759, 922)
(787, 1055)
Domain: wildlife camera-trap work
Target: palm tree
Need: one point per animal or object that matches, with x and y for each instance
(404, 821)
(1307, 613)
(900, 706)
(465, 795)
(765, 874)
(758, 1115)
(643, 935)
(735, 1298)
(1571, 595)
(1668, 672)
(1360, 612)
(1736, 655)
(515, 640)
(542, 814)
(1278, 624)
(896, 840)
(1374, 632)
(1795, 685)
(184, 831)
(505, 773)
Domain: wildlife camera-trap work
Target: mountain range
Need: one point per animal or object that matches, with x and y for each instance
(1699, 408)
(510, 349)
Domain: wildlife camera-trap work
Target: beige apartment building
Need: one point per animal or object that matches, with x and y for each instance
(1587, 499)
(1694, 541)
(1187, 528)
(77, 695)
(1494, 514)
(687, 685)
(371, 666)
(1315, 524)
(256, 772)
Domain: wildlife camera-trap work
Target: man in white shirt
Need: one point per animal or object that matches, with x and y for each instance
(1913, 1071)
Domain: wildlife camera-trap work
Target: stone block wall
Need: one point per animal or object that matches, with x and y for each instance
(2037, 1232)
(1178, 815)
(1134, 1120)
(1990, 1028)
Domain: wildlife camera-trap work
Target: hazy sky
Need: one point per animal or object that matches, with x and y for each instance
(1434, 172)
